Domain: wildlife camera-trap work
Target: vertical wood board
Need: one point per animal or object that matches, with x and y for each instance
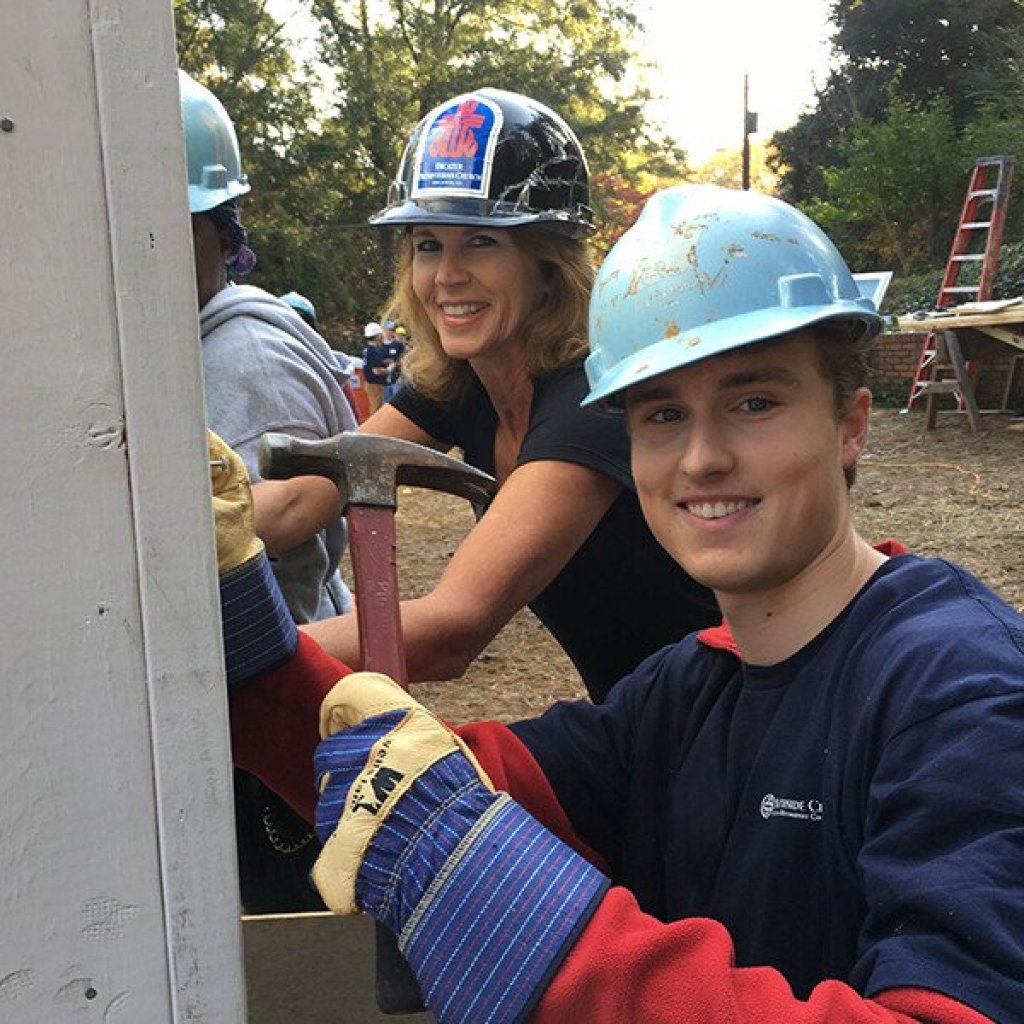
(119, 899)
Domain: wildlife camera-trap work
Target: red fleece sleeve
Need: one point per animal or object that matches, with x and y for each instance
(512, 768)
(627, 966)
(275, 723)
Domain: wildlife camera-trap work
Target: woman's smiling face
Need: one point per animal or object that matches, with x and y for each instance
(477, 286)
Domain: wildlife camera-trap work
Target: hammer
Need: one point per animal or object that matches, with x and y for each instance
(368, 469)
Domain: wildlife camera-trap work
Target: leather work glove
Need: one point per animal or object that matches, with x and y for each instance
(233, 520)
(484, 900)
(258, 629)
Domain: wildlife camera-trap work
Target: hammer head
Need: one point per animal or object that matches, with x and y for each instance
(368, 468)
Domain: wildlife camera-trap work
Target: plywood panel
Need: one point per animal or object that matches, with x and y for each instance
(115, 808)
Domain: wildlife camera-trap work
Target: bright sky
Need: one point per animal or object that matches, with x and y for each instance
(703, 49)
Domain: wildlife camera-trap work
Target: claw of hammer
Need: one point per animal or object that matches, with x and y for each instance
(368, 468)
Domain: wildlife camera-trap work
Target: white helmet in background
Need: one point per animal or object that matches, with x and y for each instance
(214, 163)
(373, 330)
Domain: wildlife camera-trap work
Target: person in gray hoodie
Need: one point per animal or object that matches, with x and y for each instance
(265, 369)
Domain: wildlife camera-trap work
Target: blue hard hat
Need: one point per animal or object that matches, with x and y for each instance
(301, 305)
(708, 269)
(214, 163)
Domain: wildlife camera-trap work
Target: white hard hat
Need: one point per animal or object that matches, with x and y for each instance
(372, 330)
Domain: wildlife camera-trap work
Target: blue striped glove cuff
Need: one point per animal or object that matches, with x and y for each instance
(259, 632)
(419, 836)
(498, 919)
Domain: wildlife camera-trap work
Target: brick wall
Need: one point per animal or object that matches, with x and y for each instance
(895, 362)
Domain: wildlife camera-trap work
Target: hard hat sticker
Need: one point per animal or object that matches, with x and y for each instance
(456, 150)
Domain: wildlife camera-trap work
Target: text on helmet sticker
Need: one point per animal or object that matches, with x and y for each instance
(456, 149)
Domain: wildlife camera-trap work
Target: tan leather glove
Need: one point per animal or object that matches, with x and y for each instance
(257, 629)
(400, 740)
(237, 542)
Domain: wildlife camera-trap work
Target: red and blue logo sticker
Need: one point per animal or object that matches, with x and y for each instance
(456, 149)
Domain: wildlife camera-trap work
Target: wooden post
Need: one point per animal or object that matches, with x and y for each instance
(119, 895)
(949, 355)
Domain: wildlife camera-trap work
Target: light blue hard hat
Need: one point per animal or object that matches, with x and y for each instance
(301, 305)
(214, 164)
(705, 270)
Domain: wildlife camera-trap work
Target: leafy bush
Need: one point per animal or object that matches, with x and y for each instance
(889, 393)
(1010, 278)
(909, 293)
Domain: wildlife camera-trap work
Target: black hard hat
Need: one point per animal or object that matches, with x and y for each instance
(494, 159)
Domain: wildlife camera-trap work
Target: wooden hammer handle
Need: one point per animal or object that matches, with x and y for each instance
(373, 549)
(372, 546)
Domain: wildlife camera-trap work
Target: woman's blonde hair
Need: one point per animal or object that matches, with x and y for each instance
(554, 335)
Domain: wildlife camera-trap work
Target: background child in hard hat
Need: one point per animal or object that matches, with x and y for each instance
(814, 813)
(494, 275)
(382, 361)
(352, 387)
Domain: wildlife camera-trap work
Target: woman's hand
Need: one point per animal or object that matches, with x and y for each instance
(538, 520)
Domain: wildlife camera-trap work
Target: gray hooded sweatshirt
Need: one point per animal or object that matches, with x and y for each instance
(265, 369)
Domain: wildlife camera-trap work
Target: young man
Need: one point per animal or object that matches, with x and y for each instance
(814, 813)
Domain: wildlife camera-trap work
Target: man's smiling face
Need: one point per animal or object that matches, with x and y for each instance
(738, 461)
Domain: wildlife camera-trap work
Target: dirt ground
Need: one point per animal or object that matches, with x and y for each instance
(946, 492)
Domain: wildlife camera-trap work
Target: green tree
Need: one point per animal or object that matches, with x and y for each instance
(238, 50)
(924, 48)
(321, 142)
(395, 61)
(895, 199)
(889, 202)
(997, 78)
(907, 51)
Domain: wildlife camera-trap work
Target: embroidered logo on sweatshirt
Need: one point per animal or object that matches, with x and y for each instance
(773, 806)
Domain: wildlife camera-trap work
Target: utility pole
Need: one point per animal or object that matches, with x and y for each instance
(749, 126)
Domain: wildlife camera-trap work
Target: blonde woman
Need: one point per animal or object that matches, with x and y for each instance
(493, 283)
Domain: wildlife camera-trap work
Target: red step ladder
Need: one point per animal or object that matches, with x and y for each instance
(978, 237)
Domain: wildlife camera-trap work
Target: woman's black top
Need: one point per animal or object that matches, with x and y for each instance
(621, 596)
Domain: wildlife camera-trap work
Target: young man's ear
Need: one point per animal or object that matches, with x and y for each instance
(854, 424)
